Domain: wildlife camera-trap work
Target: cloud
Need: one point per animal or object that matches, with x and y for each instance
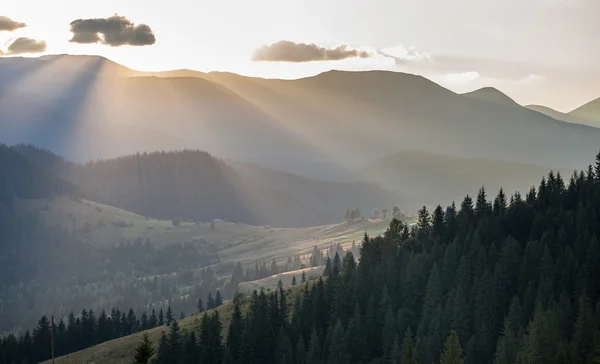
(532, 78)
(114, 31)
(462, 77)
(405, 54)
(286, 51)
(25, 45)
(7, 24)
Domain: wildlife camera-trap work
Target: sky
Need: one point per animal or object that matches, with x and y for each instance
(537, 51)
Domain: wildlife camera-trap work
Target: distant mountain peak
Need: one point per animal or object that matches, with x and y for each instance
(589, 111)
(491, 94)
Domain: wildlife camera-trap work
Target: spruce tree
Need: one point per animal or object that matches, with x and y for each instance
(175, 345)
(335, 339)
(218, 299)
(452, 350)
(152, 322)
(235, 336)
(162, 354)
(409, 355)
(583, 333)
(190, 349)
(144, 351)
(169, 316)
(200, 305)
(210, 302)
(161, 318)
(314, 355)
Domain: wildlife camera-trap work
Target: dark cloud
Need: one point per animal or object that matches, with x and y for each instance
(7, 24)
(286, 51)
(25, 45)
(114, 31)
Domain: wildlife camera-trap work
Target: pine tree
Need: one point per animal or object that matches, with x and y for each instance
(169, 316)
(452, 350)
(218, 299)
(356, 343)
(200, 305)
(335, 339)
(438, 225)
(174, 343)
(42, 339)
(235, 336)
(314, 349)
(294, 281)
(583, 333)
(144, 351)
(597, 168)
(190, 349)
(210, 302)
(301, 354)
(161, 318)
(409, 355)
(162, 354)
(152, 322)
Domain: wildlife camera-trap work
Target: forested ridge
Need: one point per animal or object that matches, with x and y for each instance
(193, 185)
(513, 280)
(507, 281)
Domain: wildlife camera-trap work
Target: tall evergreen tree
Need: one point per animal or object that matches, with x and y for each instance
(144, 351)
(452, 350)
(169, 316)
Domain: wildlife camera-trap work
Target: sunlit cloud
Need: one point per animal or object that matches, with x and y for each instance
(286, 51)
(462, 77)
(24, 45)
(531, 79)
(405, 54)
(8, 25)
(114, 31)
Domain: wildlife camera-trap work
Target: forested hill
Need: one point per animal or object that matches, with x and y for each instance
(20, 178)
(507, 281)
(195, 186)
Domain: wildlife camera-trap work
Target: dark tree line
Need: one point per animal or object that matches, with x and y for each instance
(78, 332)
(508, 281)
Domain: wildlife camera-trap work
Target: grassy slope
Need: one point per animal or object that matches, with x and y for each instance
(120, 351)
(234, 242)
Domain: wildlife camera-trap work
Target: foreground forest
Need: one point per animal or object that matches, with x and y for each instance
(507, 281)
(513, 280)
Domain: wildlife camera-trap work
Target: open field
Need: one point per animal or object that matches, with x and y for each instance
(106, 225)
(270, 283)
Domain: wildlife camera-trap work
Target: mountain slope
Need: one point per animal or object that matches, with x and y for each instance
(432, 178)
(196, 186)
(321, 126)
(492, 95)
(379, 113)
(569, 117)
(589, 112)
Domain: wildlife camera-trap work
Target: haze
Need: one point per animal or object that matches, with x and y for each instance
(538, 51)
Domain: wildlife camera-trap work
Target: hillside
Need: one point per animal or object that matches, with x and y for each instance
(589, 112)
(114, 252)
(321, 126)
(432, 178)
(195, 186)
(479, 283)
(490, 94)
(569, 117)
